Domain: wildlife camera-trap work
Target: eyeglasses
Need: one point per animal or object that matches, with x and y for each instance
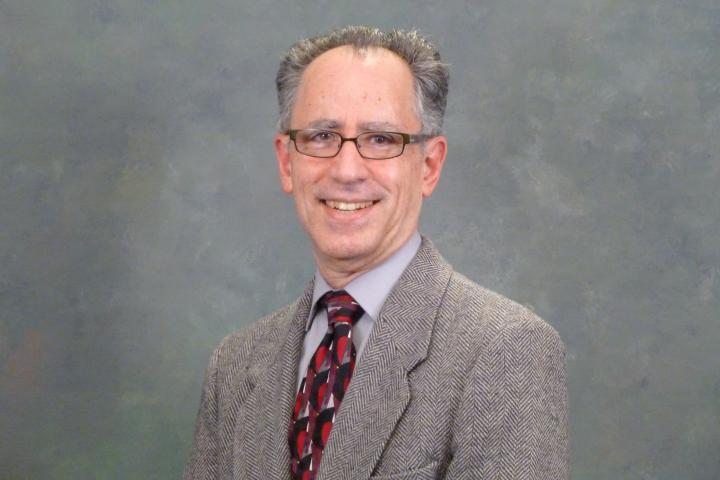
(370, 145)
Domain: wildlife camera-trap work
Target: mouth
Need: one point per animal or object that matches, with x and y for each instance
(348, 206)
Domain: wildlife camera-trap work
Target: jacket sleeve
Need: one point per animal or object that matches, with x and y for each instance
(512, 423)
(202, 463)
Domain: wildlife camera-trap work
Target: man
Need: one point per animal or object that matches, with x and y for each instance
(391, 365)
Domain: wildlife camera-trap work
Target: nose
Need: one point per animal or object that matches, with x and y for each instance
(348, 166)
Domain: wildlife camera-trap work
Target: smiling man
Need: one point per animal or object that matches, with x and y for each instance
(391, 365)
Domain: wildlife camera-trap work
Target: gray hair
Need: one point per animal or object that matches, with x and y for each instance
(430, 75)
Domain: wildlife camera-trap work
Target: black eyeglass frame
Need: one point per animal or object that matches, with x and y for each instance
(407, 139)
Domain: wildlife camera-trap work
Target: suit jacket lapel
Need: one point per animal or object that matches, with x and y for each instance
(263, 430)
(379, 392)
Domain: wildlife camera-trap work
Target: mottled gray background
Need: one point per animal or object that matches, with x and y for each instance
(141, 219)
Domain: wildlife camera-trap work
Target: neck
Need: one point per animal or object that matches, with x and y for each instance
(338, 273)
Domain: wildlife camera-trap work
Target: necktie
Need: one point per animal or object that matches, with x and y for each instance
(324, 385)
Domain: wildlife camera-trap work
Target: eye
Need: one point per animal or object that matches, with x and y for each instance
(381, 139)
(321, 136)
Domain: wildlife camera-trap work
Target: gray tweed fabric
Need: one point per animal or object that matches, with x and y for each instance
(455, 382)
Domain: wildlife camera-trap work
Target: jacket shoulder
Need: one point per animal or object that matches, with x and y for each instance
(240, 348)
(481, 312)
(511, 419)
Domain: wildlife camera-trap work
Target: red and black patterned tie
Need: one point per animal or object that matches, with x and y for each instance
(324, 385)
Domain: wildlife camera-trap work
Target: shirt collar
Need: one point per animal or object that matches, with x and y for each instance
(371, 288)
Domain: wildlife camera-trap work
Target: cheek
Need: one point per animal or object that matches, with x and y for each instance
(399, 178)
(411, 182)
(304, 178)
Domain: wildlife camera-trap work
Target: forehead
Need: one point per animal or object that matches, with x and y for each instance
(350, 86)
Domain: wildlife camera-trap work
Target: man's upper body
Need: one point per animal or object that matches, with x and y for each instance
(452, 380)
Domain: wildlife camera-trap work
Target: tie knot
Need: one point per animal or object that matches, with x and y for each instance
(341, 307)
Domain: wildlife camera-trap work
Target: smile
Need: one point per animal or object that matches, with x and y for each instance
(347, 206)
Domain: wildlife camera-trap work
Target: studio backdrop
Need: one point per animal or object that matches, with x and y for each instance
(141, 217)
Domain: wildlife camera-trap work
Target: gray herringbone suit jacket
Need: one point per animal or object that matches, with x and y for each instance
(455, 382)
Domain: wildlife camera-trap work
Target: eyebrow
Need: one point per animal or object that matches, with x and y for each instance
(324, 123)
(373, 126)
(331, 124)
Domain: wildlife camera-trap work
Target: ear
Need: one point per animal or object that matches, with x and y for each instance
(282, 154)
(435, 152)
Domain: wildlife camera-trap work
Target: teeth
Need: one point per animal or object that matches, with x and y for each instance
(347, 206)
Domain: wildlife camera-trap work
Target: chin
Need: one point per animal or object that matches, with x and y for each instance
(344, 248)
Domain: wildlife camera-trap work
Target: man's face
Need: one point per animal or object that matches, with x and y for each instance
(358, 211)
